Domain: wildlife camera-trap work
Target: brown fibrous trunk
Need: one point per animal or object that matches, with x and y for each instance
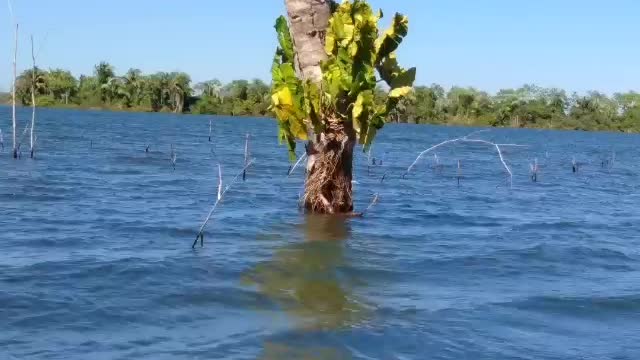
(328, 186)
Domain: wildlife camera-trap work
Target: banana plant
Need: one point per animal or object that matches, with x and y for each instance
(358, 58)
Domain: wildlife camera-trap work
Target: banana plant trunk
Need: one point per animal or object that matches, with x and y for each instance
(328, 187)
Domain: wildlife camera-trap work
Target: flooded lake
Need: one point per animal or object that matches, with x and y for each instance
(96, 259)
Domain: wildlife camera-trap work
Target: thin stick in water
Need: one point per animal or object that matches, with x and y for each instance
(13, 93)
(369, 161)
(534, 170)
(374, 201)
(437, 167)
(292, 169)
(33, 100)
(173, 157)
(612, 159)
(246, 157)
(21, 138)
(200, 234)
(219, 182)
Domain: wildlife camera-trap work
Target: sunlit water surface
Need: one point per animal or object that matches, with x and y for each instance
(96, 259)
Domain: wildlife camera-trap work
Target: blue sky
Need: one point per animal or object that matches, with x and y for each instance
(577, 45)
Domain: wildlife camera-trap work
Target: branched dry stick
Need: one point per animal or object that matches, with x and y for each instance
(200, 234)
(467, 140)
(302, 157)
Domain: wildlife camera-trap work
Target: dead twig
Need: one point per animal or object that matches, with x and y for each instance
(21, 138)
(437, 167)
(200, 234)
(291, 170)
(373, 202)
(13, 90)
(534, 170)
(33, 101)
(369, 161)
(173, 157)
(466, 139)
(246, 157)
(219, 182)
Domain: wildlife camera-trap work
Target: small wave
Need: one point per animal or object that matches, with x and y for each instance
(538, 257)
(580, 306)
(206, 295)
(31, 197)
(578, 255)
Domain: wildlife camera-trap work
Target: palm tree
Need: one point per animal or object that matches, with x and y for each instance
(212, 88)
(60, 84)
(104, 72)
(114, 89)
(133, 86)
(179, 90)
(36, 77)
(155, 89)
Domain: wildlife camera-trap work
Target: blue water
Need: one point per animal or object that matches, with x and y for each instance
(96, 259)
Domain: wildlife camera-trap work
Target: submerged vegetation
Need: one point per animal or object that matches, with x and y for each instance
(527, 106)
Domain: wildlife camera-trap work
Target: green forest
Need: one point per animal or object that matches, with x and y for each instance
(527, 106)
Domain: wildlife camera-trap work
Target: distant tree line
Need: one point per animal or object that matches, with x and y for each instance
(528, 106)
(135, 91)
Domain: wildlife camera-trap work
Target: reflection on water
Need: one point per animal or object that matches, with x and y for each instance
(323, 228)
(304, 279)
(273, 351)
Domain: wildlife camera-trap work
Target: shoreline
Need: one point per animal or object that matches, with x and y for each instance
(116, 109)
